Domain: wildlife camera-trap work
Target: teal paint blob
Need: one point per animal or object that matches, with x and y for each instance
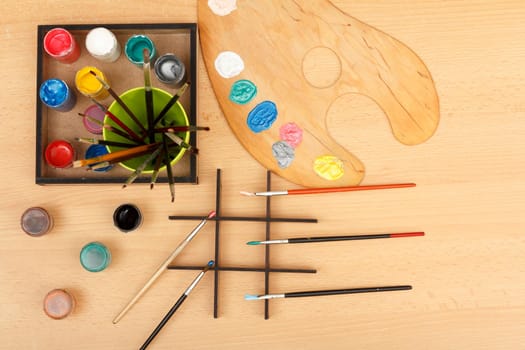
(243, 91)
(262, 116)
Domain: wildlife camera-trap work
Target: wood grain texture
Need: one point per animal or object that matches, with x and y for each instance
(467, 272)
(314, 53)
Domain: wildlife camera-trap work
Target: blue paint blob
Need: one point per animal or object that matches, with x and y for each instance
(55, 94)
(95, 151)
(283, 153)
(243, 91)
(262, 116)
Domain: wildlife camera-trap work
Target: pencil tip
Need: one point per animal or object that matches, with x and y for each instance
(249, 194)
(253, 243)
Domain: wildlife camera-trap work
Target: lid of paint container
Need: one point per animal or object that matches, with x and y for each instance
(95, 257)
(36, 222)
(127, 217)
(58, 304)
(95, 151)
(59, 154)
(94, 112)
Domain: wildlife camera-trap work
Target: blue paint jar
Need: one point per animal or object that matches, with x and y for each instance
(95, 151)
(56, 94)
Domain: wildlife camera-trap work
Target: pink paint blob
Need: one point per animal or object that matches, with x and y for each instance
(291, 133)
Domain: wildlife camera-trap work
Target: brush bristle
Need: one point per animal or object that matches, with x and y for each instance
(250, 297)
(253, 243)
(249, 194)
(211, 263)
(212, 214)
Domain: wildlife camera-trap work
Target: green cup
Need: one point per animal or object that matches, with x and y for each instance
(136, 102)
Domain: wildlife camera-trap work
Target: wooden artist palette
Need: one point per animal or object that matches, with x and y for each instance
(302, 56)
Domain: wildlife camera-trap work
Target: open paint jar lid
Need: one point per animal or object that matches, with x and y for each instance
(36, 222)
(58, 304)
(95, 257)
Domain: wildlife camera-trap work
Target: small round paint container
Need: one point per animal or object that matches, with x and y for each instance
(102, 44)
(95, 151)
(135, 46)
(88, 85)
(56, 94)
(59, 154)
(58, 304)
(93, 111)
(61, 45)
(127, 217)
(95, 257)
(36, 222)
(170, 70)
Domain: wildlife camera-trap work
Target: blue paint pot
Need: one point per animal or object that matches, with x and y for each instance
(56, 94)
(95, 151)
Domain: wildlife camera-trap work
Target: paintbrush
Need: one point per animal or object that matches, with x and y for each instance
(111, 128)
(156, 169)
(117, 121)
(179, 141)
(182, 128)
(94, 141)
(177, 305)
(327, 190)
(171, 102)
(148, 93)
(327, 292)
(132, 152)
(167, 161)
(141, 167)
(337, 238)
(164, 265)
(119, 100)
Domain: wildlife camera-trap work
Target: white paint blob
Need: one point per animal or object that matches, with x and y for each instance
(222, 7)
(229, 64)
(102, 44)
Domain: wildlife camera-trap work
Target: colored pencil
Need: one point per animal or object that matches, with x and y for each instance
(163, 266)
(119, 100)
(182, 128)
(177, 304)
(148, 93)
(94, 141)
(327, 292)
(327, 190)
(171, 102)
(141, 167)
(336, 238)
(182, 143)
(133, 152)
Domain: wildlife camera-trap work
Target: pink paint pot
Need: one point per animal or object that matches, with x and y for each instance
(58, 304)
(61, 45)
(95, 112)
(59, 154)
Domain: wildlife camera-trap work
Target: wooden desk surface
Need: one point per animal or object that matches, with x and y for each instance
(468, 271)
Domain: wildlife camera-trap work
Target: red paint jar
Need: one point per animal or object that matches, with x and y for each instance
(60, 154)
(61, 45)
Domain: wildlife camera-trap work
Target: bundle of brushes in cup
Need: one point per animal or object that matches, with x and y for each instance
(145, 130)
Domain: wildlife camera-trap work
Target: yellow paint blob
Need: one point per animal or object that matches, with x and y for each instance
(329, 167)
(88, 85)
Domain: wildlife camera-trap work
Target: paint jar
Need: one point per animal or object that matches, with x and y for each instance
(95, 151)
(170, 70)
(127, 217)
(36, 222)
(102, 44)
(61, 45)
(59, 154)
(95, 257)
(56, 94)
(134, 49)
(88, 85)
(94, 112)
(58, 304)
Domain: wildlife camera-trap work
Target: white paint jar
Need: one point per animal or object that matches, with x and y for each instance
(102, 44)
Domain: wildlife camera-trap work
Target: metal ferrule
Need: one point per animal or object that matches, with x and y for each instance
(270, 296)
(272, 193)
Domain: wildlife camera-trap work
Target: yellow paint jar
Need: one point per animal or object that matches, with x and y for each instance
(88, 85)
